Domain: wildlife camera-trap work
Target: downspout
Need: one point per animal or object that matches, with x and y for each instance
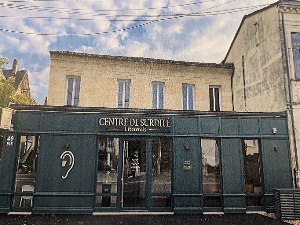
(290, 103)
(232, 94)
(244, 83)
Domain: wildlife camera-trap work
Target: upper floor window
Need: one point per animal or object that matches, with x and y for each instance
(158, 89)
(214, 98)
(296, 52)
(123, 93)
(73, 89)
(188, 96)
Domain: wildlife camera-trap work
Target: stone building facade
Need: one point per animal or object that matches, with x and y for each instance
(91, 80)
(266, 56)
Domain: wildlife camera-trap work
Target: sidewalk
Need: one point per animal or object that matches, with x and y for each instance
(150, 219)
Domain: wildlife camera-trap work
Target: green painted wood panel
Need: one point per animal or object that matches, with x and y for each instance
(185, 125)
(58, 181)
(187, 174)
(210, 125)
(230, 126)
(232, 175)
(276, 164)
(7, 170)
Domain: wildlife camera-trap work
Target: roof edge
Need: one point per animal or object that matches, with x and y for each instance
(241, 24)
(142, 59)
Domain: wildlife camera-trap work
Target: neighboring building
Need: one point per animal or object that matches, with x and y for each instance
(91, 80)
(266, 56)
(21, 78)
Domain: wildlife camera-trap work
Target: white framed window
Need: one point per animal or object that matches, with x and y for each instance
(158, 90)
(73, 89)
(123, 93)
(296, 54)
(188, 96)
(214, 98)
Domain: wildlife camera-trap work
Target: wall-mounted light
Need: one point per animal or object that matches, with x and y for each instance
(186, 147)
(67, 145)
(274, 130)
(276, 149)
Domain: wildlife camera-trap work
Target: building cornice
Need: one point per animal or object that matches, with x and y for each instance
(141, 59)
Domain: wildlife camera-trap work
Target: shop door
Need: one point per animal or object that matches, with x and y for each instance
(135, 177)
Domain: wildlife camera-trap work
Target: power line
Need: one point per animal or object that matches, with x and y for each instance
(205, 12)
(79, 10)
(209, 13)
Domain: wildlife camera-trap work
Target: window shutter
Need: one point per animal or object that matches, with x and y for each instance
(70, 90)
(184, 97)
(161, 96)
(217, 99)
(77, 90)
(127, 94)
(120, 94)
(154, 95)
(211, 99)
(191, 97)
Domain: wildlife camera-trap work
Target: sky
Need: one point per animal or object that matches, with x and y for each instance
(181, 30)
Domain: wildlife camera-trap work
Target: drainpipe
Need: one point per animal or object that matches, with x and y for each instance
(232, 94)
(290, 103)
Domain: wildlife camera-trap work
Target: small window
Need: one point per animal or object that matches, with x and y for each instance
(73, 89)
(214, 98)
(296, 53)
(158, 89)
(123, 93)
(188, 96)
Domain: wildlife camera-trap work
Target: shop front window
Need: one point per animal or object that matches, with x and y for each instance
(161, 172)
(211, 172)
(252, 173)
(26, 171)
(107, 171)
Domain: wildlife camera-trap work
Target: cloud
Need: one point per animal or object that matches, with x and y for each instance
(188, 38)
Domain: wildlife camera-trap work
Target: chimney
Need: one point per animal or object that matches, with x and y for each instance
(15, 66)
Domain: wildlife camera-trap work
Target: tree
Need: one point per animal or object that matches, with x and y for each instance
(3, 61)
(8, 94)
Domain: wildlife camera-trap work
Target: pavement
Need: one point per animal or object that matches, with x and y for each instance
(145, 219)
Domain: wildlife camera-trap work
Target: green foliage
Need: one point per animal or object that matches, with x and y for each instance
(8, 94)
(3, 61)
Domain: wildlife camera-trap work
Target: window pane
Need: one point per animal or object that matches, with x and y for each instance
(217, 99)
(123, 93)
(184, 97)
(161, 166)
(120, 94)
(296, 52)
(70, 91)
(76, 90)
(210, 166)
(191, 97)
(252, 172)
(154, 95)
(127, 94)
(297, 63)
(26, 170)
(107, 171)
(211, 99)
(161, 95)
(296, 39)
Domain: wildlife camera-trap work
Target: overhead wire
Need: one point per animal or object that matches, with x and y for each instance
(204, 12)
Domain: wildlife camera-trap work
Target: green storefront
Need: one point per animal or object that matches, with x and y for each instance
(86, 160)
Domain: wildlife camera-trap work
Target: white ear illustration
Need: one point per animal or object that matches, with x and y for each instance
(71, 162)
